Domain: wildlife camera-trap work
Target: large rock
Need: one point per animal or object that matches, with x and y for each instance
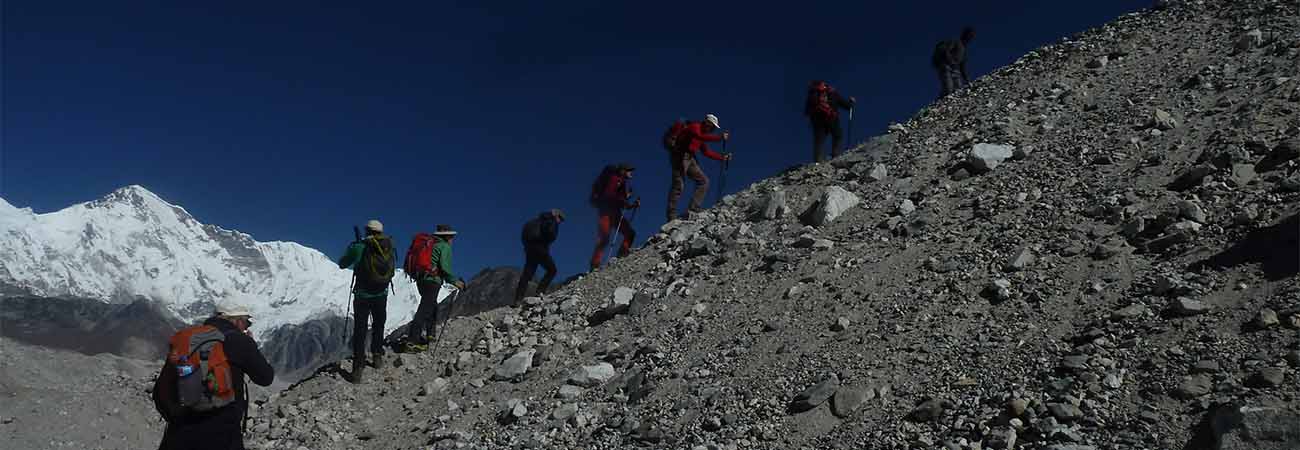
(847, 401)
(834, 201)
(1256, 428)
(816, 395)
(774, 207)
(1186, 307)
(1195, 386)
(515, 366)
(592, 376)
(986, 157)
(1191, 177)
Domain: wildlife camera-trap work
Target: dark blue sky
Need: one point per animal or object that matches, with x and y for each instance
(294, 121)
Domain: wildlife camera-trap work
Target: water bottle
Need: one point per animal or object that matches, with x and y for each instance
(184, 369)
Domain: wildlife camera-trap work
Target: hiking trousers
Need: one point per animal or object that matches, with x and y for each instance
(608, 219)
(426, 315)
(820, 129)
(685, 165)
(535, 255)
(374, 311)
(949, 80)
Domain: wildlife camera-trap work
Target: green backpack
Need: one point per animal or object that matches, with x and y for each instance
(378, 262)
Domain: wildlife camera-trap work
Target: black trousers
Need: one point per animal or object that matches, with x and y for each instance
(426, 315)
(820, 129)
(949, 80)
(535, 255)
(370, 312)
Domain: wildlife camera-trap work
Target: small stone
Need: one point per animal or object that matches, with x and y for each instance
(1206, 366)
(840, 324)
(986, 157)
(906, 207)
(1293, 358)
(815, 395)
(834, 201)
(1129, 312)
(592, 376)
(1001, 438)
(999, 289)
(1075, 362)
(438, 385)
(1266, 378)
(1023, 260)
(1195, 386)
(1016, 407)
(774, 207)
(1163, 121)
(878, 173)
(1266, 318)
(847, 401)
(1186, 307)
(515, 366)
(1190, 210)
(569, 392)
(565, 411)
(1098, 62)
(928, 411)
(1064, 412)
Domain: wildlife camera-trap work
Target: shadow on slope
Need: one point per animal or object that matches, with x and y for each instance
(1273, 248)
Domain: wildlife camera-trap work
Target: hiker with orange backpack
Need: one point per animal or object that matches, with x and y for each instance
(822, 108)
(373, 264)
(431, 268)
(611, 193)
(201, 391)
(683, 140)
(537, 236)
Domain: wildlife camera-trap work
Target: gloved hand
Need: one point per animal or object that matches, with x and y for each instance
(460, 284)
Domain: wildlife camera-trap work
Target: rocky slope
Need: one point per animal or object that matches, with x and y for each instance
(1092, 248)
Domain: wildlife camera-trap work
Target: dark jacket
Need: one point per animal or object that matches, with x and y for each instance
(220, 429)
(542, 230)
(837, 102)
(950, 54)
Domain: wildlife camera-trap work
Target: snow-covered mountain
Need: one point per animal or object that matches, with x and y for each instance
(132, 244)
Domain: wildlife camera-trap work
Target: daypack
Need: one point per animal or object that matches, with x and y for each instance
(419, 256)
(941, 56)
(532, 231)
(202, 379)
(671, 134)
(376, 269)
(819, 101)
(598, 186)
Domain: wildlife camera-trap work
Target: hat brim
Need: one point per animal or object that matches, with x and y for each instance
(444, 233)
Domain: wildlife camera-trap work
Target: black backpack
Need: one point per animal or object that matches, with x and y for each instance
(942, 53)
(378, 262)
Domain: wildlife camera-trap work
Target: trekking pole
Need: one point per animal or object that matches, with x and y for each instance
(722, 174)
(851, 126)
(356, 233)
(451, 305)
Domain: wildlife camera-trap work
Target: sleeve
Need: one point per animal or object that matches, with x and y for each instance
(351, 255)
(243, 353)
(710, 153)
(841, 102)
(444, 264)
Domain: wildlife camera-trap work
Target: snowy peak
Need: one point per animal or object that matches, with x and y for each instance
(132, 244)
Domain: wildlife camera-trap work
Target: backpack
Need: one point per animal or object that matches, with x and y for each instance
(671, 134)
(598, 186)
(819, 101)
(376, 266)
(940, 57)
(202, 380)
(419, 256)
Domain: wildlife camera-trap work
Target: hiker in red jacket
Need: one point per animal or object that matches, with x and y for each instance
(611, 194)
(822, 108)
(692, 139)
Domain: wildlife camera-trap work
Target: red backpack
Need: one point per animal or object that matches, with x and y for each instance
(601, 184)
(819, 101)
(419, 256)
(671, 134)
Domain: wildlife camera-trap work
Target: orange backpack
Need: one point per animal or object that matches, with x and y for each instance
(202, 380)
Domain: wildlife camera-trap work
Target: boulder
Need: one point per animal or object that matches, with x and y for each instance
(774, 207)
(834, 202)
(986, 157)
(1255, 428)
(815, 395)
(592, 376)
(1192, 177)
(515, 366)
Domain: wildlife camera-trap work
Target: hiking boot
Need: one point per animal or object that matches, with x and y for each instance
(358, 368)
(410, 347)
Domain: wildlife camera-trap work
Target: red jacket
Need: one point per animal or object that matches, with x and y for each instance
(614, 195)
(693, 139)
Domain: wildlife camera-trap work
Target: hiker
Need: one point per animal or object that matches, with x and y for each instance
(537, 236)
(204, 422)
(373, 264)
(822, 108)
(424, 325)
(692, 138)
(610, 195)
(949, 61)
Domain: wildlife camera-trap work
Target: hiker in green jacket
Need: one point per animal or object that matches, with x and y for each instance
(373, 263)
(426, 316)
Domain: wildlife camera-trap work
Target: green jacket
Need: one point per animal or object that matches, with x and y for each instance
(350, 258)
(441, 260)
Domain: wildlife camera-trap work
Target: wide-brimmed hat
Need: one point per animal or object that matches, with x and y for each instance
(234, 306)
(375, 225)
(710, 118)
(444, 230)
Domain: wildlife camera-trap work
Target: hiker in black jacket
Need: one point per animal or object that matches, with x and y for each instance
(949, 61)
(537, 236)
(220, 429)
